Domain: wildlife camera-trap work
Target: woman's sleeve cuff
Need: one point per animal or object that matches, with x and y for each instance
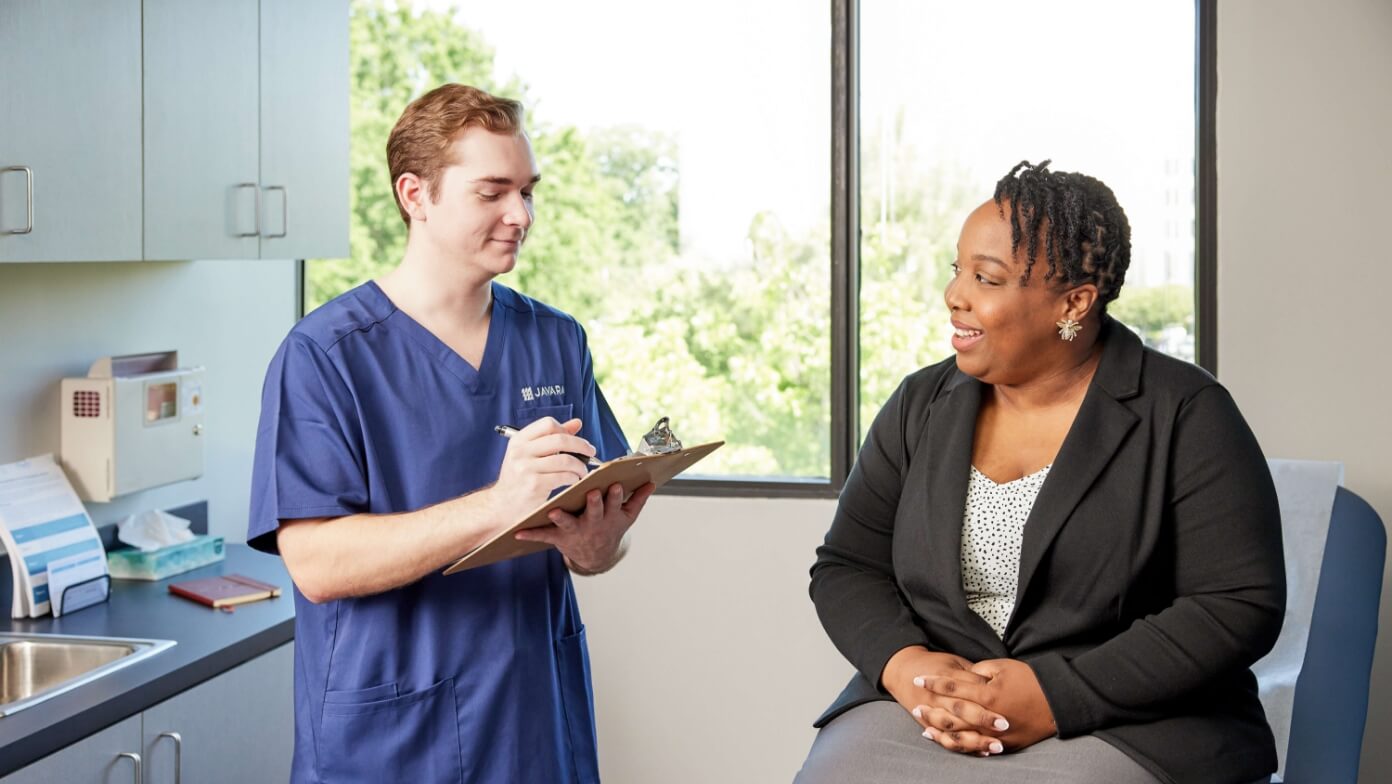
(877, 652)
(1070, 699)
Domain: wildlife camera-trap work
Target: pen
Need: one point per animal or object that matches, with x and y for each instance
(508, 431)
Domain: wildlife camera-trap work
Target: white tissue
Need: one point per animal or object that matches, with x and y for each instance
(153, 529)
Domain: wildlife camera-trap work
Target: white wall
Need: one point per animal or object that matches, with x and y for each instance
(227, 315)
(1304, 261)
(709, 662)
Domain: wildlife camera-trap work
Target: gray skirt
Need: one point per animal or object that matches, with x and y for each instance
(880, 743)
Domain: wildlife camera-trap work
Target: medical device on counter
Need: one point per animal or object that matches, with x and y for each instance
(133, 423)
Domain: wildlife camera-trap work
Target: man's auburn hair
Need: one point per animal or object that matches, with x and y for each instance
(419, 143)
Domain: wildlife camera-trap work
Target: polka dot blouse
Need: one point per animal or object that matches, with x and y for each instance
(992, 529)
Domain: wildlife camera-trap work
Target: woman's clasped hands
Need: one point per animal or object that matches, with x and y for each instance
(982, 708)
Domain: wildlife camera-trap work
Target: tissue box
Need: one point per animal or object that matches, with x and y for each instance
(133, 564)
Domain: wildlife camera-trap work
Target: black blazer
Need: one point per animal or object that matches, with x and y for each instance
(1151, 571)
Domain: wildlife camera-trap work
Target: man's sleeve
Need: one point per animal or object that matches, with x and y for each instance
(308, 460)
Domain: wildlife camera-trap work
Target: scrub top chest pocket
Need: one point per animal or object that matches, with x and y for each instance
(525, 415)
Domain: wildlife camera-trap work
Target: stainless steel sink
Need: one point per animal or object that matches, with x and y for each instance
(35, 667)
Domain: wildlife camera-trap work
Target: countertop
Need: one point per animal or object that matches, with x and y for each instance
(210, 642)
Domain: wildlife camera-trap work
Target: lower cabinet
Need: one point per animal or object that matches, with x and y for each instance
(237, 727)
(109, 757)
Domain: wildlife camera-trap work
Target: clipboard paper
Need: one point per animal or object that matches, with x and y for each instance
(632, 471)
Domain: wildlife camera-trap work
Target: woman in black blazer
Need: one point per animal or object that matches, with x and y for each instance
(1126, 486)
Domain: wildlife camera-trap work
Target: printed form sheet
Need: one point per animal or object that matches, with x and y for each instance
(44, 524)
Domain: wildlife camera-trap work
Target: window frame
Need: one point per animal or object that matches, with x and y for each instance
(845, 254)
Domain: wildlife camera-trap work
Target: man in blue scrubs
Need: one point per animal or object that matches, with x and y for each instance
(377, 465)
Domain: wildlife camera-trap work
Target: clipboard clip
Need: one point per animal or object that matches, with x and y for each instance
(660, 440)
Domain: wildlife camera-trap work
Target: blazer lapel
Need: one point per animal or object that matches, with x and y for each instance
(1097, 433)
(951, 427)
(951, 431)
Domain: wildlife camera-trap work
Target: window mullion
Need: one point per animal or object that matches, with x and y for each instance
(845, 236)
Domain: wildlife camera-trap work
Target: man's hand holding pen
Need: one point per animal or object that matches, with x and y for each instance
(540, 458)
(508, 431)
(546, 455)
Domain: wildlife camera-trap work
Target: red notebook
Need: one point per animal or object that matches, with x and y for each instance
(224, 591)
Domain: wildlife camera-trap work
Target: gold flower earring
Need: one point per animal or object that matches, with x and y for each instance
(1068, 329)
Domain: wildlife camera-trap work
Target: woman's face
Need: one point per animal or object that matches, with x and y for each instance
(1004, 332)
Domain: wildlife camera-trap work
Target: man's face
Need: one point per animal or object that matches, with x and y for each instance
(485, 200)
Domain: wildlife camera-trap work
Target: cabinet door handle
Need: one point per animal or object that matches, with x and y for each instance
(255, 210)
(178, 754)
(284, 211)
(133, 757)
(28, 198)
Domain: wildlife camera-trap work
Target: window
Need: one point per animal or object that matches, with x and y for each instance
(682, 215)
(686, 211)
(954, 94)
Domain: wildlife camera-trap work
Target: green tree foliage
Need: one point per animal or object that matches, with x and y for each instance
(396, 54)
(1152, 310)
(740, 352)
(910, 219)
(606, 211)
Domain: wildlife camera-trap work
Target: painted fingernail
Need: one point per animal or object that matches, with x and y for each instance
(996, 747)
(1002, 724)
(919, 681)
(929, 735)
(917, 713)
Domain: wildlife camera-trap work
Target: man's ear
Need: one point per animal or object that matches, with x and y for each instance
(1079, 301)
(412, 192)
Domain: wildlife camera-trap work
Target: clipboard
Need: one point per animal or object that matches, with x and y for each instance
(631, 471)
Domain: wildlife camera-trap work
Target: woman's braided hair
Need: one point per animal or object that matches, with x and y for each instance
(1087, 238)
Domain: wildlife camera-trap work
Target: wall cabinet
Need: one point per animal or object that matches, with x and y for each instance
(201, 163)
(238, 726)
(246, 129)
(304, 129)
(70, 130)
(173, 129)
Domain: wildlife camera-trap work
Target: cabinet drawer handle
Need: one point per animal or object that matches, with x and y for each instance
(178, 754)
(133, 757)
(284, 211)
(255, 210)
(28, 198)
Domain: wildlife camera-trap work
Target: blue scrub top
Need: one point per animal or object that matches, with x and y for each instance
(482, 676)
